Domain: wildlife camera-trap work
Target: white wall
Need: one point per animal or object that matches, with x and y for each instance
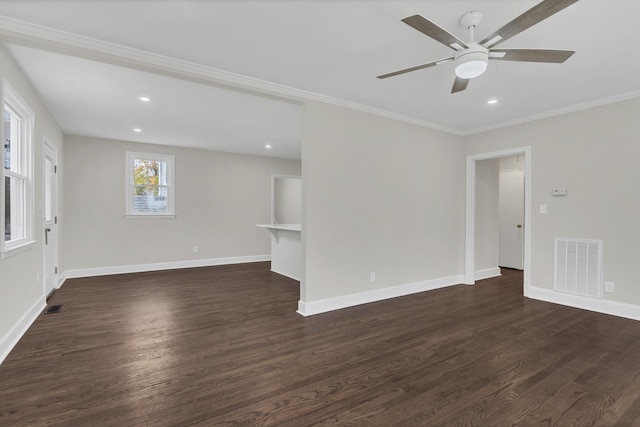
(21, 294)
(220, 197)
(512, 163)
(287, 200)
(487, 184)
(594, 154)
(378, 196)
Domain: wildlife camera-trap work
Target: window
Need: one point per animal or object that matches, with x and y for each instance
(17, 203)
(150, 185)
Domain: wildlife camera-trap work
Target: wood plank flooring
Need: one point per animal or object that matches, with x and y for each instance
(223, 346)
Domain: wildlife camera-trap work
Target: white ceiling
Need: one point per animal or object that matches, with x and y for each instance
(298, 50)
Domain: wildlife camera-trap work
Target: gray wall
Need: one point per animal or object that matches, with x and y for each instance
(220, 197)
(378, 195)
(287, 200)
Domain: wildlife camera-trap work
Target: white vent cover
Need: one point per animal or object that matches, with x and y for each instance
(578, 267)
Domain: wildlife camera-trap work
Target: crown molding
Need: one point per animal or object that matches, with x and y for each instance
(47, 38)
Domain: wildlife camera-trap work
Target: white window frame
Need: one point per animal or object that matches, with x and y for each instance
(12, 100)
(131, 156)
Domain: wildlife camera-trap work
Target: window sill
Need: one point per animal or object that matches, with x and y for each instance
(17, 249)
(147, 216)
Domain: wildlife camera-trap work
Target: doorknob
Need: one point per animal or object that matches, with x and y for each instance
(46, 235)
(519, 225)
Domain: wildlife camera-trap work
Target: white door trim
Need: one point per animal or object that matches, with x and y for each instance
(470, 239)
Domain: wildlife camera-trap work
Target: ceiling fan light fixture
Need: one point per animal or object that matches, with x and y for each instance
(471, 65)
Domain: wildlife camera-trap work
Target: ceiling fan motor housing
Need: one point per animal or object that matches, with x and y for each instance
(471, 62)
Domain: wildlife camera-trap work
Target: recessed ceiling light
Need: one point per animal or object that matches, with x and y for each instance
(268, 146)
(492, 101)
(144, 99)
(137, 130)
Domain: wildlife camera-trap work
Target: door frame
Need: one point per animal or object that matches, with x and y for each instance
(470, 237)
(45, 145)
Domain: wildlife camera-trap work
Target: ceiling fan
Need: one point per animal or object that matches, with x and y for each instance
(471, 58)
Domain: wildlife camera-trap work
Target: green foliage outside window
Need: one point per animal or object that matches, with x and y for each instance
(146, 176)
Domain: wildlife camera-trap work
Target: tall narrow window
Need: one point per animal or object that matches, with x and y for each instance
(17, 165)
(150, 185)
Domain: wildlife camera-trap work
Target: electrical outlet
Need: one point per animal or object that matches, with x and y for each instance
(609, 287)
(195, 249)
(372, 276)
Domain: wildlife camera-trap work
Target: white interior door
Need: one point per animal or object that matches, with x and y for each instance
(511, 219)
(50, 213)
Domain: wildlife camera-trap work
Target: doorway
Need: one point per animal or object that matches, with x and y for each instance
(50, 217)
(524, 155)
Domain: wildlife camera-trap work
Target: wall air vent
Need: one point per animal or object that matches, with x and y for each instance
(578, 267)
(53, 309)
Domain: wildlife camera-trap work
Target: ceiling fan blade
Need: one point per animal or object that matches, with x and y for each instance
(434, 31)
(417, 67)
(531, 55)
(536, 14)
(459, 85)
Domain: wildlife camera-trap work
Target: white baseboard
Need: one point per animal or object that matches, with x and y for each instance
(139, 268)
(322, 306)
(10, 340)
(290, 276)
(613, 308)
(61, 279)
(487, 273)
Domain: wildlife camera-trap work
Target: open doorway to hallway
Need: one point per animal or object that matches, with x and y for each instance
(498, 204)
(499, 216)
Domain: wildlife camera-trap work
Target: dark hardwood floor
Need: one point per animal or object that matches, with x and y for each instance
(224, 346)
